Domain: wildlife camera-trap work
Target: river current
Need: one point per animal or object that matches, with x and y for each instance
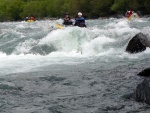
(72, 70)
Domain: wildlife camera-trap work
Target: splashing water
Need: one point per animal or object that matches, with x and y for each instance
(72, 69)
(38, 43)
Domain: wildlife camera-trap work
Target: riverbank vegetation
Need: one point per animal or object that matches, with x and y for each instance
(13, 10)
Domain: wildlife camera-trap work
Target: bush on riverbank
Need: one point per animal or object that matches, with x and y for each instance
(18, 9)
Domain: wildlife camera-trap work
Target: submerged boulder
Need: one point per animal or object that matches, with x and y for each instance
(138, 43)
(145, 73)
(142, 93)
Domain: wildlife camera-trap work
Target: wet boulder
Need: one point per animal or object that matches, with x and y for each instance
(145, 73)
(142, 93)
(138, 43)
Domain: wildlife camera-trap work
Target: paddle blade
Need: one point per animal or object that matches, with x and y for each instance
(59, 26)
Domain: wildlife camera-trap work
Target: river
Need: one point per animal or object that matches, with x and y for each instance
(71, 70)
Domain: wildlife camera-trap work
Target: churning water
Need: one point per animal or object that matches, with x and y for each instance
(71, 70)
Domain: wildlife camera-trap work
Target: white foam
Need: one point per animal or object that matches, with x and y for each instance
(95, 46)
(72, 44)
(66, 40)
(25, 47)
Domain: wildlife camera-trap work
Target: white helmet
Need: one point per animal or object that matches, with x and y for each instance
(80, 14)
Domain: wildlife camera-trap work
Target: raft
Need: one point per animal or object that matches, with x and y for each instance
(133, 16)
(30, 20)
(59, 26)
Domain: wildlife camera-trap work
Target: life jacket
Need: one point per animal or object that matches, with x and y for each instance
(67, 21)
(80, 22)
(32, 18)
(130, 13)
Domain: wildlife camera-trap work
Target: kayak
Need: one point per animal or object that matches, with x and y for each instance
(30, 20)
(133, 16)
(59, 26)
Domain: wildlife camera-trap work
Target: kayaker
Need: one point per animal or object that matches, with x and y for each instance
(129, 13)
(67, 20)
(32, 18)
(80, 21)
(27, 18)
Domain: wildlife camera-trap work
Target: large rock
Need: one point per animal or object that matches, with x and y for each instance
(138, 43)
(145, 73)
(142, 93)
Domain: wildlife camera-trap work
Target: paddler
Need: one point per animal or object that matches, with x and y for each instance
(129, 13)
(27, 18)
(80, 21)
(32, 18)
(67, 20)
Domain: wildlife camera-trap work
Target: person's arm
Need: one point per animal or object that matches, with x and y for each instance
(65, 18)
(80, 19)
(75, 22)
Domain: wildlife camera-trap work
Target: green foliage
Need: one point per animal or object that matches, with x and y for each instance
(119, 5)
(34, 8)
(101, 7)
(147, 6)
(123, 5)
(3, 16)
(13, 9)
(18, 9)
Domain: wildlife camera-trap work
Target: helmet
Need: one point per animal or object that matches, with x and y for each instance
(80, 14)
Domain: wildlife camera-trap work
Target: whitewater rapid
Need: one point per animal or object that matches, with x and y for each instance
(72, 70)
(27, 46)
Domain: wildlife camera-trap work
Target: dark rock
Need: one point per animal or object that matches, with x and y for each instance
(138, 43)
(142, 93)
(145, 73)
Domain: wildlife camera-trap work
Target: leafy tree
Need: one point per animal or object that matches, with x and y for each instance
(13, 9)
(34, 8)
(19, 9)
(147, 5)
(101, 7)
(120, 6)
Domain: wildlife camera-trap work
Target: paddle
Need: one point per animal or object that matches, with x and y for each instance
(59, 26)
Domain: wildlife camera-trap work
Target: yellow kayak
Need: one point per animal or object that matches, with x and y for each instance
(59, 26)
(30, 21)
(133, 16)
